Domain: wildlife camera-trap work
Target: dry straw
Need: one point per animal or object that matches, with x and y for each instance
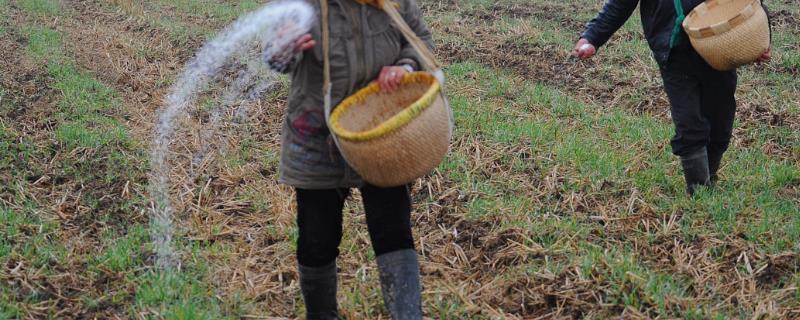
(728, 33)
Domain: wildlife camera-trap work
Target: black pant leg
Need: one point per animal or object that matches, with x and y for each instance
(719, 107)
(684, 87)
(319, 223)
(388, 218)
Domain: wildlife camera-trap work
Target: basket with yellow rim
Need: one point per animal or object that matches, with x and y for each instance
(391, 138)
(728, 33)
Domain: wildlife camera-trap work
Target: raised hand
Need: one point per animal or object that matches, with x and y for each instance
(280, 56)
(304, 43)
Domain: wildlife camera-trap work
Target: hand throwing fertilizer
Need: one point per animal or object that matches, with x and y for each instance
(275, 26)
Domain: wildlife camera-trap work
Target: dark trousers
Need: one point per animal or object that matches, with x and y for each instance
(702, 102)
(319, 220)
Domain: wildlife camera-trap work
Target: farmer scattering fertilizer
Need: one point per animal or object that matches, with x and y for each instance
(701, 97)
(354, 44)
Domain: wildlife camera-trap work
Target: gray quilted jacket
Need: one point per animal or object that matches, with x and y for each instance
(362, 42)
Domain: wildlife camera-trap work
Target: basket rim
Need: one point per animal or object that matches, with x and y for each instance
(720, 27)
(395, 122)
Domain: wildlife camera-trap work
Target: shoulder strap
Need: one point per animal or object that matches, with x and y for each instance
(680, 15)
(428, 62)
(326, 40)
(326, 59)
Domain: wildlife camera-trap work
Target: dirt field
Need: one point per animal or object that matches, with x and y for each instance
(560, 198)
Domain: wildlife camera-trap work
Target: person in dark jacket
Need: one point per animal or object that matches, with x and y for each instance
(701, 98)
(364, 47)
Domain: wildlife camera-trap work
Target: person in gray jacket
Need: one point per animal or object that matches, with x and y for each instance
(364, 47)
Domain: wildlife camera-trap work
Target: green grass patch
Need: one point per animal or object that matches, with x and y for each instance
(44, 44)
(593, 146)
(123, 253)
(86, 120)
(94, 153)
(85, 102)
(188, 293)
(27, 238)
(220, 11)
(4, 11)
(175, 296)
(40, 7)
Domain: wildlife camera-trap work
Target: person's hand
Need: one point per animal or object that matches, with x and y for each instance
(390, 77)
(280, 56)
(583, 49)
(304, 43)
(765, 57)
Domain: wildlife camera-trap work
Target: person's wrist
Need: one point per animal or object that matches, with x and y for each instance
(407, 67)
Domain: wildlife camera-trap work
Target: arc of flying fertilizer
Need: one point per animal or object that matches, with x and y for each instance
(262, 24)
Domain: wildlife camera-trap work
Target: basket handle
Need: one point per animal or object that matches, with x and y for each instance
(427, 58)
(326, 60)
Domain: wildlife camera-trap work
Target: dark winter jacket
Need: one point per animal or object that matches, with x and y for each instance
(658, 20)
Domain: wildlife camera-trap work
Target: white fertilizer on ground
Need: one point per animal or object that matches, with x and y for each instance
(276, 26)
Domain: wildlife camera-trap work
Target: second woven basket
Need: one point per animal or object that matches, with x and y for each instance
(728, 33)
(393, 138)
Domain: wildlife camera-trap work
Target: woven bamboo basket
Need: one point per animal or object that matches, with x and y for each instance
(728, 33)
(393, 138)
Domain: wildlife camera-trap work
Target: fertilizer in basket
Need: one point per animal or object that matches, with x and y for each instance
(274, 27)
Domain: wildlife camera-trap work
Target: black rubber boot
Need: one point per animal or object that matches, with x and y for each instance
(318, 285)
(714, 160)
(695, 170)
(400, 284)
